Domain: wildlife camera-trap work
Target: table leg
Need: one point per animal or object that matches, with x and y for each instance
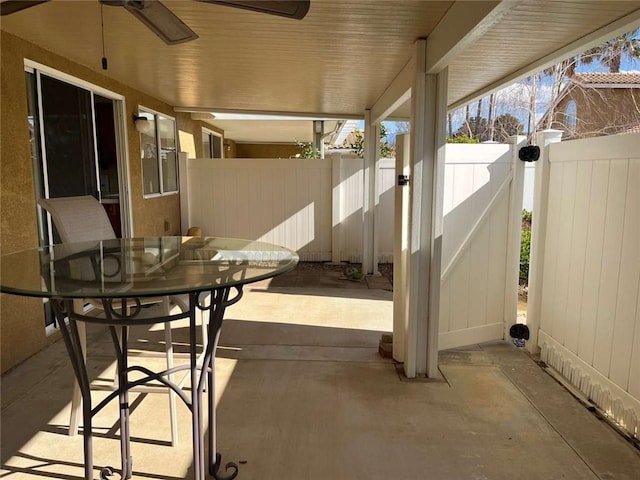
(196, 396)
(121, 346)
(74, 345)
(219, 302)
(214, 456)
(74, 348)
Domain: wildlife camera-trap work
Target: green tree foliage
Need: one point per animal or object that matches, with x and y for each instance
(611, 53)
(473, 127)
(386, 150)
(307, 150)
(506, 125)
(462, 139)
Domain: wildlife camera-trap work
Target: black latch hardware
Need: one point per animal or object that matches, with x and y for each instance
(530, 153)
(403, 180)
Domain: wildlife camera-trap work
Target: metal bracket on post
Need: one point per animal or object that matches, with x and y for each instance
(403, 180)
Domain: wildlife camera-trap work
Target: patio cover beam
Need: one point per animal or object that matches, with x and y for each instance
(270, 113)
(462, 25)
(396, 94)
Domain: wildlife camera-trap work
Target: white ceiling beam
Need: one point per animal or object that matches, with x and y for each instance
(300, 115)
(463, 24)
(202, 116)
(396, 94)
(598, 37)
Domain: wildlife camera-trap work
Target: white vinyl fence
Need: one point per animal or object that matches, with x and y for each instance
(281, 201)
(311, 206)
(348, 195)
(590, 291)
(315, 208)
(475, 281)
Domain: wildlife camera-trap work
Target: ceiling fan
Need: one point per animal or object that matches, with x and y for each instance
(164, 23)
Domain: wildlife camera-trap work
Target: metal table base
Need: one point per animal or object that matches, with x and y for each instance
(121, 315)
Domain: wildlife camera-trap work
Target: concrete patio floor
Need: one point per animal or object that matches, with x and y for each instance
(303, 395)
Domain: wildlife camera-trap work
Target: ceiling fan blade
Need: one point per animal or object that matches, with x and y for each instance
(12, 6)
(296, 9)
(161, 21)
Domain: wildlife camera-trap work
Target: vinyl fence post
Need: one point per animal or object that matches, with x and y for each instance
(514, 234)
(336, 199)
(538, 235)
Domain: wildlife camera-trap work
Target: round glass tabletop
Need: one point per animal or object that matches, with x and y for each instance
(139, 267)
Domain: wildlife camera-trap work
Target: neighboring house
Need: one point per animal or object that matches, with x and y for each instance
(595, 104)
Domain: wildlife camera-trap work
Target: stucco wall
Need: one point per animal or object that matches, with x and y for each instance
(230, 150)
(21, 319)
(265, 150)
(22, 322)
(599, 111)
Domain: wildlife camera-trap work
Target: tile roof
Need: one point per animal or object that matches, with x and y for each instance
(607, 78)
(634, 129)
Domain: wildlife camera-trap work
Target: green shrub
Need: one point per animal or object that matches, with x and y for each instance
(462, 139)
(525, 247)
(307, 150)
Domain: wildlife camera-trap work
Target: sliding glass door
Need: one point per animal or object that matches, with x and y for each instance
(69, 142)
(76, 146)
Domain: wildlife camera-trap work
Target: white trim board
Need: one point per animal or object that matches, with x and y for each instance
(622, 407)
(52, 72)
(614, 147)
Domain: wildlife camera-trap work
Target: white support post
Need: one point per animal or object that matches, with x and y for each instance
(371, 140)
(538, 235)
(183, 175)
(417, 284)
(401, 250)
(376, 201)
(428, 120)
(336, 196)
(437, 223)
(516, 193)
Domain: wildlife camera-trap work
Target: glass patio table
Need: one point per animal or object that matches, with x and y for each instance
(119, 274)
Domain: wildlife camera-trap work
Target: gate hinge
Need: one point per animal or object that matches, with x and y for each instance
(403, 180)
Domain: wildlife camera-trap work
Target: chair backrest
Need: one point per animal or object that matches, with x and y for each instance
(78, 219)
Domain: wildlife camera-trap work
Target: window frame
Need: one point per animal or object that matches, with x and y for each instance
(211, 133)
(571, 115)
(156, 117)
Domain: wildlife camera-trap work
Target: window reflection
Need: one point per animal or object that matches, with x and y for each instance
(158, 151)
